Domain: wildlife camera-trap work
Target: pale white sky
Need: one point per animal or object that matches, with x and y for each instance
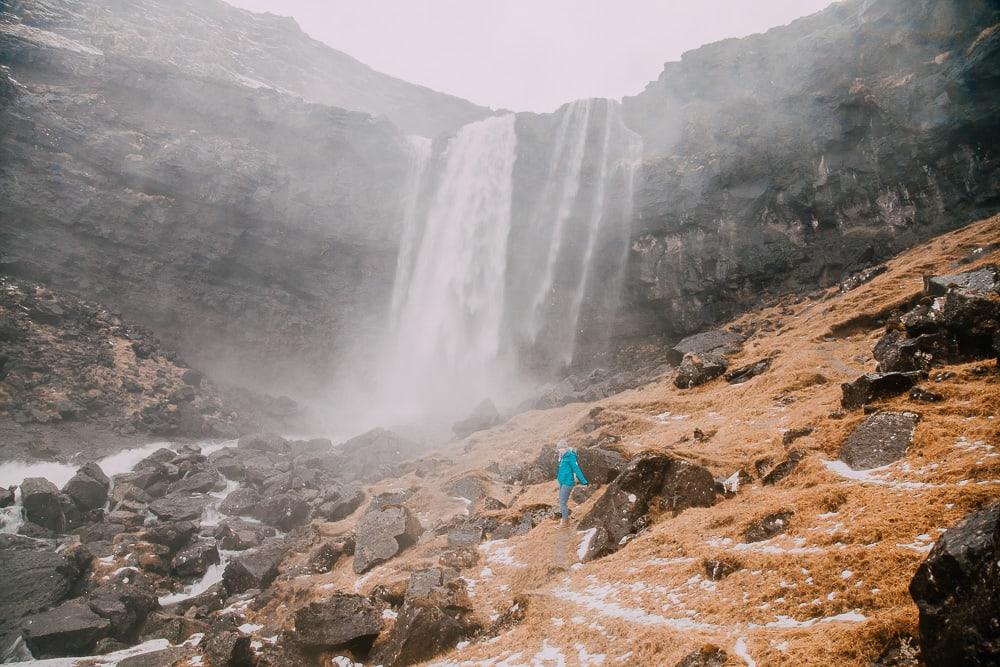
(529, 55)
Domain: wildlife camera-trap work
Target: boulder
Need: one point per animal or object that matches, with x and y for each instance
(464, 536)
(375, 455)
(718, 342)
(33, 580)
(239, 535)
(622, 510)
(881, 439)
(194, 560)
(767, 527)
(748, 372)
(266, 442)
(470, 487)
(424, 582)
(171, 534)
(924, 395)
(202, 481)
(425, 627)
(957, 591)
(42, 506)
(339, 502)
(227, 462)
(383, 533)
(6, 497)
(88, 488)
(325, 557)
(342, 620)
(228, 648)
(285, 511)
(255, 570)
(785, 468)
(860, 278)
(72, 628)
(985, 280)
(600, 465)
(896, 353)
(483, 416)
(697, 369)
(241, 502)
(125, 600)
(180, 507)
(872, 386)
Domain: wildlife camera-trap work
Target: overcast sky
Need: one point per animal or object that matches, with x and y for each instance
(529, 55)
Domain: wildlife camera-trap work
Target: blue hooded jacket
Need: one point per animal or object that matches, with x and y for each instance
(569, 470)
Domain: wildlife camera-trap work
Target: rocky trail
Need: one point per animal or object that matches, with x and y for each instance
(775, 498)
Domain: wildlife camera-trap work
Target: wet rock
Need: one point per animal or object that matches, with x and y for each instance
(194, 560)
(228, 648)
(239, 535)
(383, 533)
(881, 439)
(785, 468)
(6, 497)
(198, 482)
(718, 342)
(255, 570)
(925, 395)
(42, 506)
(957, 593)
(130, 520)
(171, 534)
(285, 511)
(175, 629)
(768, 526)
(32, 580)
(69, 629)
(466, 535)
(125, 600)
(425, 627)
(88, 488)
(748, 372)
(697, 369)
(179, 507)
(342, 620)
(241, 502)
(872, 386)
(483, 416)
(266, 442)
(127, 491)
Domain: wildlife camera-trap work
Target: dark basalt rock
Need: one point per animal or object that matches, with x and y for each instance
(383, 533)
(42, 505)
(342, 620)
(785, 468)
(717, 570)
(228, 648)
(697, 369)
(862, 277)
(377, 454)
(6, 497)
(125, 600)
(768, 526)
(241, 502)
(171, 534)
(255, 570)
(925, 395)
(957, 590)
(985, 280)
(748, 372)
(284, 512)
(881, 439)
(89, 487)
(194, 560)
(325, 557)
(718, 343)
(483, 416)
(69, 629)
(872, 386)
(621, 511)
(180, 507)
(426, 626)
(266, 442)
(238, 535)
(896, 353)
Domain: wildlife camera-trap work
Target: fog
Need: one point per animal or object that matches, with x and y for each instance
(529, 55)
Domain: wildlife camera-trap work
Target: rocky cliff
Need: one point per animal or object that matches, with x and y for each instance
(794, 157)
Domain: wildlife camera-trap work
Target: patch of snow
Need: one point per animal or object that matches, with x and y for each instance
(549, 654)
(732, 483)
(588, 537)
(740, 649)
(249, 628)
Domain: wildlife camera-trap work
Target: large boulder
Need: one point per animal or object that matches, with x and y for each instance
(267, 442)
(255, 570)
(228, 648)
(241, 502)
(426, 626)
(195, 559)
(382, 533)
(985, 280)
(483, 416)
(343, 619)
(338, 501)
(377, 454)
(600, 465)
(88, 488)
(697, 369)
(33, 580)
(180, 507)
(125, 600)
(285, 511)
(717, 342)
(872, 386)
(881, 439)
(957, 591)
(72, 628)
(42, 504)
(896, 353)
(649, 479)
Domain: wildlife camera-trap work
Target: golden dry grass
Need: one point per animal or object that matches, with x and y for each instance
(831, 591)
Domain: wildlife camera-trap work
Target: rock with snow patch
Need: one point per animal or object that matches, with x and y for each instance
(342, 620)
(768, 526)
(255, 570)
(470, 487)
(425, 627)
(686, 485)
(195, 559)
(872, 386)
(881, 439)
(241, 502)
(957, 591)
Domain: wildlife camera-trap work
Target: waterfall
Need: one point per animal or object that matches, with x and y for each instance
(447, 341)
(420, 156)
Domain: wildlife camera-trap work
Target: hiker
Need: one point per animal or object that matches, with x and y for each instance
(569, 473)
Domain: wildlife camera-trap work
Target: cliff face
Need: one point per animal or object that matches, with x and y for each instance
(796, 156)
(248, 228)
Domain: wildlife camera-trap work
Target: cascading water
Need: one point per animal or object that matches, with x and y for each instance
(447, 344)
(498, 268)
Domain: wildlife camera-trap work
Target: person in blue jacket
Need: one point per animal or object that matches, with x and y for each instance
(569, 473)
